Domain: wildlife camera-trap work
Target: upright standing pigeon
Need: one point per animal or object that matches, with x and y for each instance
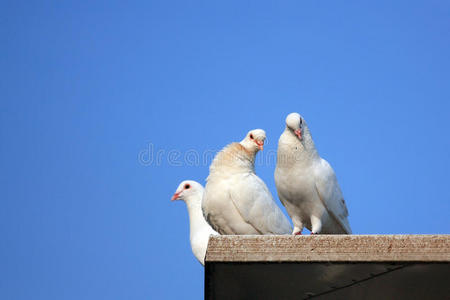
(191, 193)
(306, 183)
(236, 201)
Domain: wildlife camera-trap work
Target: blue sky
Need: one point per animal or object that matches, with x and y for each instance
(86, 87)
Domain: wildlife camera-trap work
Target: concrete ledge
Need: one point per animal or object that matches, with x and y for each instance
(328, 267)
(329, 248)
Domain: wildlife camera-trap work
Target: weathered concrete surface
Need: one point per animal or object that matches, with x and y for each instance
(336, 248)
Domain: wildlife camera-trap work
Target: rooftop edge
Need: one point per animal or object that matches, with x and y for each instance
(329, 248)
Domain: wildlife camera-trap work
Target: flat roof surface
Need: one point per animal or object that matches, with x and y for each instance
(328, 267)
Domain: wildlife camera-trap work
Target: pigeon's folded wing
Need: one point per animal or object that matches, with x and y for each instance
(331, 195)
(253, 200)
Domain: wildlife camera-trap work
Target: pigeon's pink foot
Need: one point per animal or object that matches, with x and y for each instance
(312, 233)
(299, 233)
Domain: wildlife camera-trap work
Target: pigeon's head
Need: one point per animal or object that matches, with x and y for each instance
(254, 140)
(187, 190)
(296, 124)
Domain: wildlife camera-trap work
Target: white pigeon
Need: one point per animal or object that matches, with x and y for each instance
(191, 193)
(306, 183)
(236, 200)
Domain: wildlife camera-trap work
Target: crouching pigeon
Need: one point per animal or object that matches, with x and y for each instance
(236, 200)
(191, 193)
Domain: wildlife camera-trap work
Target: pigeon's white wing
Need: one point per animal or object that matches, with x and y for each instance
(331, 195)
(255, 204)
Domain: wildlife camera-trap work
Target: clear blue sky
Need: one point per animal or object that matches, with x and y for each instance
(87, 87)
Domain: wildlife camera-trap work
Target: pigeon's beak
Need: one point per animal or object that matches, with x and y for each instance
(260, 145)
(298, 133)
(176, 196)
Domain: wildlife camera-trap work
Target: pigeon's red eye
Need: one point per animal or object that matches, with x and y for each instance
(187, 186)
(251, 136)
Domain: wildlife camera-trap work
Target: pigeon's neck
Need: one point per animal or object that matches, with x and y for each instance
(234, 158)
(197, 222)
(307, 142)
(291, 150)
